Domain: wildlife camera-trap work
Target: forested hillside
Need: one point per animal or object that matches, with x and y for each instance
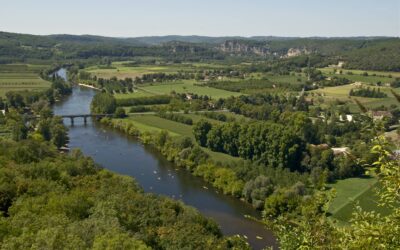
(360, 53)
(54, 201)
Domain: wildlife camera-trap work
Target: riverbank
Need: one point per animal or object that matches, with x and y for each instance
(88, 86)
(185, 154)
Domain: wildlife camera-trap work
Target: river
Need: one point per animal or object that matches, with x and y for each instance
(125, 155)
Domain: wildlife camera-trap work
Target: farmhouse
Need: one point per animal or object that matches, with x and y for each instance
(340, 151)
(348, 118)
(379, 115)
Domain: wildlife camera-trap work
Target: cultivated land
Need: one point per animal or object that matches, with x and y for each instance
(18, 77)
(122, 69)
(187, 86)
(382, 74)
(331, 94)
(352, 192)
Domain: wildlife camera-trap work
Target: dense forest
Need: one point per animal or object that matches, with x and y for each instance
(49, 200)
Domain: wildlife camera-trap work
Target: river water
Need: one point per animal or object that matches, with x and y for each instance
(125, 155)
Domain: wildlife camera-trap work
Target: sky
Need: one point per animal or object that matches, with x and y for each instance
(124, 18)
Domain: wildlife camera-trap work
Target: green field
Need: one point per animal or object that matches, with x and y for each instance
(331, 94)
(198, 117)
(189, 87)
(351, 192)
(359, 72)
(179, 87)
(121, 70)
(18, 77)
(292, 79)
(357, 76)
(137, 93)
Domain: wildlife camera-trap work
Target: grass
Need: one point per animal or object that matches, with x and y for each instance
(189, 87)
(360, 72)
(342, 93)
(121, 70)
(198, 117)
(357, 76)
(18, 77)
(354, 191)
(163, 124)
(292, 79)
(137, 93)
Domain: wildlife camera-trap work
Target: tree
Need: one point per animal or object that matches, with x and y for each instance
(200, 131)
(59, 135)
(103, 103)
(19, 131)
(366, 230)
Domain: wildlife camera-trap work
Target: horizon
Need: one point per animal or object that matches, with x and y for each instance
(194, 35)
(121, 18)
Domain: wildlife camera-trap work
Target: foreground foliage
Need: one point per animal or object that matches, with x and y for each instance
(367, 230)
(53, 201)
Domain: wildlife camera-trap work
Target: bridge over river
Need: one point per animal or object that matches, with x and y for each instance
(85, 117)
(73, 116)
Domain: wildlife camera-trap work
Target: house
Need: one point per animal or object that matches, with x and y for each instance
(348, 118)
(340, 151)
(379, 115)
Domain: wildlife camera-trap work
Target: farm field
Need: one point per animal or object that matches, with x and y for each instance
(342, 93)
(189, 87)
(357, 76)
(138, 93)
(287, 78)
(122, 70)
(163, 124)
(198, 117)
(18, 77)
(351, 191)
(179, 87)
(360, 72)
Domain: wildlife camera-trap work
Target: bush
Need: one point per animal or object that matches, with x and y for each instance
(120, 113)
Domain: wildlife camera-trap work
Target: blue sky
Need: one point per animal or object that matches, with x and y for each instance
(202, 17)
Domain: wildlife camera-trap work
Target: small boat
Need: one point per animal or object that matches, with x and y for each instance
(259, 237)
(64, 149)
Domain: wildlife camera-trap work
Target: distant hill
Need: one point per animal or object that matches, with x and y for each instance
(379, 53)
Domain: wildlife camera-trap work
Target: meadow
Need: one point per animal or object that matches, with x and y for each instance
(351, 192)
(123, 69)
(187, 86)
(18, 77)
(357, 75)
(331, 94)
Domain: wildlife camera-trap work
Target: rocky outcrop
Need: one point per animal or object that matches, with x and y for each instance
(296, 52)
(244, 48)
